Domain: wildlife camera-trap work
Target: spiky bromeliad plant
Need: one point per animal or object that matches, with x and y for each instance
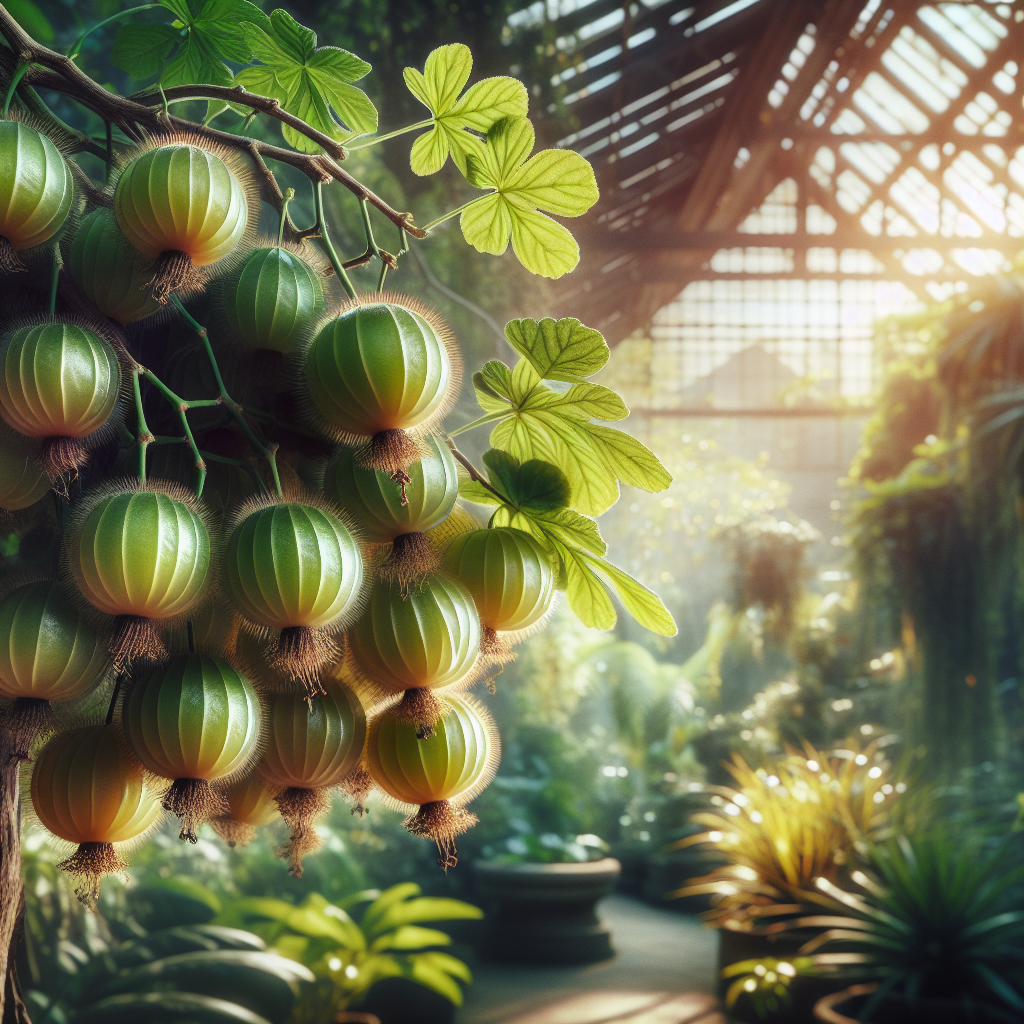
(113, 356)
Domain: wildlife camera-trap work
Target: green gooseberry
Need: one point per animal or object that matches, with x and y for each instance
(379, 366)
(508, 573)
(374, 500)
(427, 639)
(273, 300)
(37, 190)
(22, 480)
(109, 272)
(47, 651)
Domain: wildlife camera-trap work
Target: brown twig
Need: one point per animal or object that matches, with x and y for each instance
(474, 474)
(55, 71)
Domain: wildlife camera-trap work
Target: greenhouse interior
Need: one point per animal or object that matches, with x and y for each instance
(526, 524)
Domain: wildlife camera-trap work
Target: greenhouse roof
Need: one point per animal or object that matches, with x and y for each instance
(884, 140)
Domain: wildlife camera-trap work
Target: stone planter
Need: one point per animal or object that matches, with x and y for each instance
(842, 1008)
(545, 913)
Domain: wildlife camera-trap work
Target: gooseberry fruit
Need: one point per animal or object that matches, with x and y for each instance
(313, 744)
(110, 273)
(397, 514)
(48, 652)
(294, 566)
(426, 640)
(89, 789)
(195, 720)
(376, 371)
(22, 480)
(37, 191)
(250, 805)
(140, 552)
(273, 300)
(510, 577)
(184, 205)
(437, 775)
(58, 381)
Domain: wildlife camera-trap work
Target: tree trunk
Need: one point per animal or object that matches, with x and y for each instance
(10, 870)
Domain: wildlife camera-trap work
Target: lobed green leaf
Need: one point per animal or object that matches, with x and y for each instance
(562, 349)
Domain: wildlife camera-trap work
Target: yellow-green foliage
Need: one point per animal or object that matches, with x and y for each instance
(785, 825)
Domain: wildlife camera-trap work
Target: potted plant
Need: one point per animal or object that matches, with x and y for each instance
(782, 826)
(937, 937)
(541, 894)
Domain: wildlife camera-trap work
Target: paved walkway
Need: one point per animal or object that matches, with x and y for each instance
(663, 974)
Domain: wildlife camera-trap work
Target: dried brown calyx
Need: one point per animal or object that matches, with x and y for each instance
(444, 823)
(61, 458)
(172, 271)
(194, 802)
(391, 452)
(88, 864)
(495, 647)
(423, 708)
(234, 833)
(356, 786)
(302, 653)
(411, 560)
(26, 720)
(135, 638)
(300, 809)
(9, 261)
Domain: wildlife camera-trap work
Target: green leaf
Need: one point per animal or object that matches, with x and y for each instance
(425, 969)
(142, 50)
(587, 595)
(388, 898)
(326, 921)
(556, 180)
(426, 908)
(563, 349)
(206, 34)
(535, 485)
(644, 605)
(312, 83)
(169, 1007)
(437, 87)
(31, 19)
(555, 427)
(410, 936)
(476, 492)
(561, 525)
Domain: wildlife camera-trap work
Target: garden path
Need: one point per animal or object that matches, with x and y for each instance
(663, 973)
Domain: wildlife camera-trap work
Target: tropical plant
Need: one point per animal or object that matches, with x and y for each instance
(765, 983)
(195, 972)
(937, 918)
(550, 848)
(347, 956)
(304, 368)
(785, 826)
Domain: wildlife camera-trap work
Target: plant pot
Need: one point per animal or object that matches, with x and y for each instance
(843, 1007)
(545, 913)
(805, 991)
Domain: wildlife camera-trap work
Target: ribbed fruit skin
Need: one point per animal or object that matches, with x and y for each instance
(374, 500)
(293, 565)
(377, 367)
(310, 749)
(22, 480)
(87, 787)
(57, 380)
(443, 767)
(194, 718)
(36, 186)
(274, 300)
(181, 198)
(251, 801)
(142, 553)
(109, 272)
(46, 650)
(429, 639)
(508, 574)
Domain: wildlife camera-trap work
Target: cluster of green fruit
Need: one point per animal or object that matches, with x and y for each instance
(268, 645)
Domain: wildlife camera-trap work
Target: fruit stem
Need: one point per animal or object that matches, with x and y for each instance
(268, 452)
(19, 73)
(111, 707)
(489, 418)
(392, 135)
(318, 195)
(457, 210)
(474, 473)
(145, 435)
(286, 198)
(388, 262)
(58, 262)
